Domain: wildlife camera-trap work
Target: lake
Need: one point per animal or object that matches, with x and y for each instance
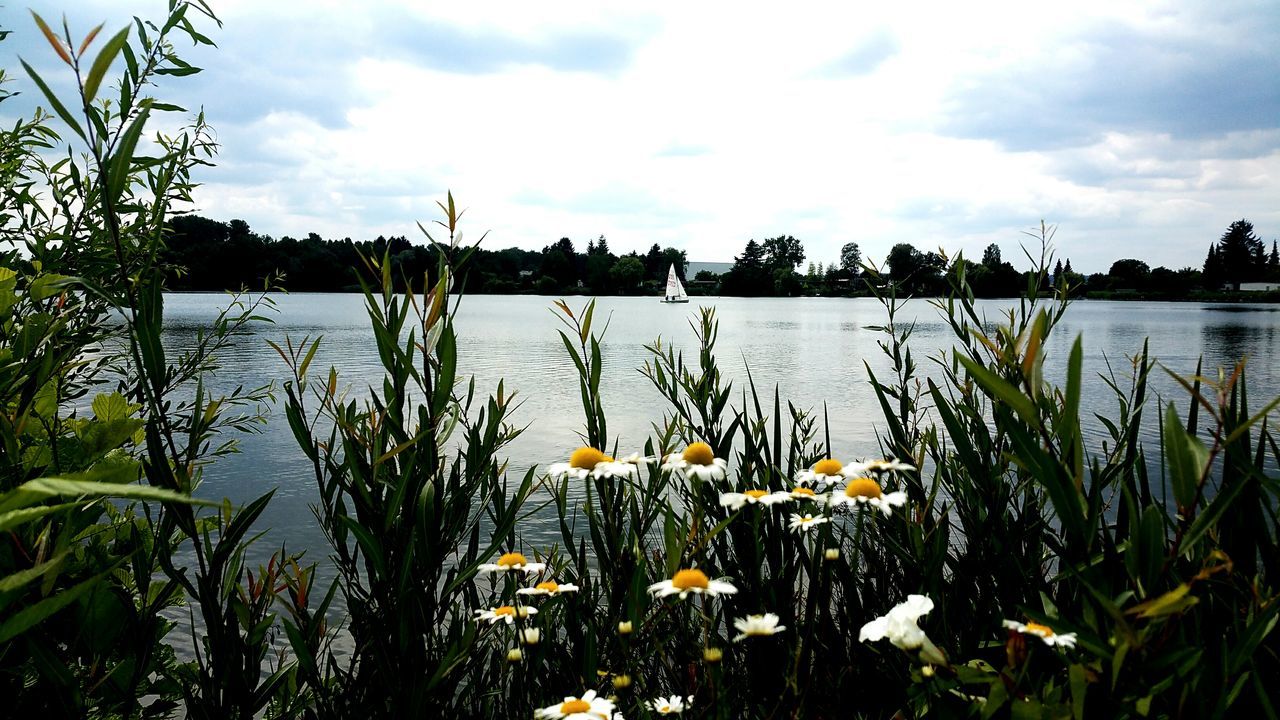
(814, 349)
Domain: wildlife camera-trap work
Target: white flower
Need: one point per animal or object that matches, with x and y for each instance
(531, 636)
(823, 474)
(513, 562)
(899, 625)
(866, 490)
(757, 626)
(505, 613)
(805, 523)
(1044, 632)
(673, 705)
(801, 493)
(550, 587)
(588, 462)
(877, 466)
(514, 655)
(697, 461)
(691, 581)
(735, 501)
(628, 467)
(588, 707)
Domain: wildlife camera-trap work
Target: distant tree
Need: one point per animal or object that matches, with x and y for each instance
(1057, 270)
(705, 276)
(1129, 273)
(851, 259)
(821, 272)
(904, 261)
(654, 267)
(749, 275)
(674, 256)
(1240, 253)
(813, 271)
(1273, 263)
(599, 247)
(991, 256)
(627, 274)
(783, 251)
(1212, 274)
(1067, 268)
(787, 282)
(599, 277)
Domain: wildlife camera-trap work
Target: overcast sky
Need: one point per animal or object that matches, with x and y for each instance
(1140, 129)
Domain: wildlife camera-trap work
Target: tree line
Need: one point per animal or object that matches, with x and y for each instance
(205, 254)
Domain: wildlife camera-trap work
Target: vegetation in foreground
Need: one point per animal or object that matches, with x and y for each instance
(981, 562)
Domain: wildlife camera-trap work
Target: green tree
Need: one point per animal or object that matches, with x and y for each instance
(991, 256)
(627, 274)
(1130, 274)
(1240, 253)
(783, 251)
(851, 259)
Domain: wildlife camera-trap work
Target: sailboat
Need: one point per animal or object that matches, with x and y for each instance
(675, 291)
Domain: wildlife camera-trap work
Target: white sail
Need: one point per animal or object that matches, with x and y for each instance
(675, 290)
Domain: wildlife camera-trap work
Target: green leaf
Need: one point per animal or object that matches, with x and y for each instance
(33, 615)
(1170, 603)
(47, 285)
(1002, 390)
(16, 580)
(101, 63)
(123, 160)
(1186, 457)
(35, 491)
(54, 102)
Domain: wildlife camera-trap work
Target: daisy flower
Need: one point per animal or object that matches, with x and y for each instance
(628, 466)
(505, 613)
(691, 581)
(805, 523)
(1044, 632)
(550, 587)
(673, 705)
(877, 466)
(588, 462)
(735, 501)
(866, 490)
(588, 707)
(899, 625)
(697, 461)
(513, 562)
(801, 493)
(757, 626)
(823, 474)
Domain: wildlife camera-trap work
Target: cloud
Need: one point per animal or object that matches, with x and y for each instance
(865, 57)
(1188, 76)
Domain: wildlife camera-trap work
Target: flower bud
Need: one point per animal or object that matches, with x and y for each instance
(514, 655)
(624, 627)
(531, 636)
(832, 554)
(712, 655)
(927, 671)
(621, 682)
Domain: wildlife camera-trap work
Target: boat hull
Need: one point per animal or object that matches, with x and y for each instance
(674, 302)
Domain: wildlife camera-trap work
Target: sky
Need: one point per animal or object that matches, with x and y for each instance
(1138, 129)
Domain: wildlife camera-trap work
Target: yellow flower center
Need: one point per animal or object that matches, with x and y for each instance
(757, 494)
(686, 579)
(664, 709)
(574, 706)
(828, 467)
(863, 487)
(699, 453)
(504, 610)
(804, 491)
(586, 458)
(1038, 629)
(806, 519)
(511, 560)
(549, 586)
